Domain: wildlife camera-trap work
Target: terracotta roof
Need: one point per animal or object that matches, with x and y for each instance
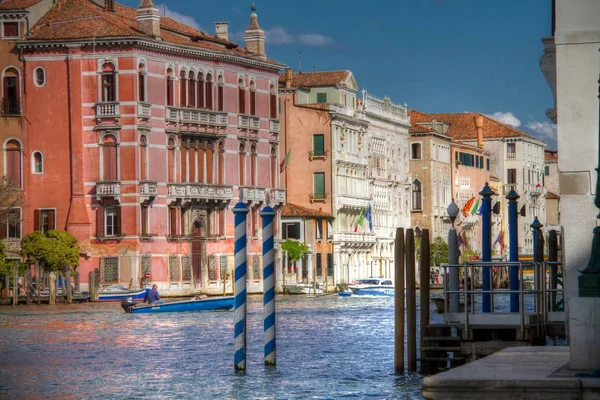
(17, 4)
(85, 19)
(551, 155)
(416, 128)
(294, 210)
(552, 196)
(317, 79)
(462, 125)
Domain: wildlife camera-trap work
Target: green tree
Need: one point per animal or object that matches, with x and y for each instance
(54, 250)
(295, 250)
(5, 266)
(439, 252)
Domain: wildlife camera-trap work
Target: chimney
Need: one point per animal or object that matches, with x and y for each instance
(255, 36)
(148, 18)
(289, 77)
(222, 30)
(479, 126)
(109, 5)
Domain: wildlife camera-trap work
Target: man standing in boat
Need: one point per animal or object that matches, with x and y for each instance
(153, 297)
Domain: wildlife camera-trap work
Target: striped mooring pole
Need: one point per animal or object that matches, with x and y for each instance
(240, 211)
(267, 214)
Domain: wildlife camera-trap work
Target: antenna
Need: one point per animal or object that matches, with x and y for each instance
(300, 61)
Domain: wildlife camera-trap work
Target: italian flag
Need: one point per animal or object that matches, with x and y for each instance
(285, 162)
(361, 220)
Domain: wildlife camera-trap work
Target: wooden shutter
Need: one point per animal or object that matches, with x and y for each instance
(192, 164)
(173, 221)
(209, 165)
(200, 101)
(319, 184)
(5, 97)
(118, 230)
(110, 161)
(183, 163)
(141, 88)
(100, 221)
(13, 167)
(220, 97)
(36, 220)
(144, 220)
(201, 153)
(209, 95)
(319, 265)
(241, 100)
(318, 145)
(182, 88)
(191, 91)
(252, 102)
(273, 104)
(51, 219)
(169, 91)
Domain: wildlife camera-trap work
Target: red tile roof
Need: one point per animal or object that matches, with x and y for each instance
(416, 128)
(551, 155)
(85, 19)
(552, 196)
(17, 4)
(317, 79)
(462, 125)
(294, 210)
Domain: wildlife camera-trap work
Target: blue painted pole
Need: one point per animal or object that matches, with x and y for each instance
(240, 212)
(513, 245)
(486, 244)
(267, 214)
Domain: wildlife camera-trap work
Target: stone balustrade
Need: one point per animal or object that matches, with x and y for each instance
(200, 191)
(248, 122)
(253, 193)
(196, 116)
(274, 125)
(352, 202)
(385, 108)
(107, 110)
(144, 110)
(108, 189)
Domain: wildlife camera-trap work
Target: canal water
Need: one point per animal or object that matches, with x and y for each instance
(327, 348)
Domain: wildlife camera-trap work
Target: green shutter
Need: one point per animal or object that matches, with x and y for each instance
(319, 185)
(318, 145)
(321, 97)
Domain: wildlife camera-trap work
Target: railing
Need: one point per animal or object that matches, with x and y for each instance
(278, 196)
(144, 110)
(148, 188)
(108, 189)
(385, 108)
(340, 109)
(545, 299)
(248, 122)
(354, 202)
(510, 186)
(274, 125)
(200, 191)
(317, 197)
(357, 237)
(196, 116)
(317, 155)
(534, 189)
(253, 193)
(511, 156)
(107, 109)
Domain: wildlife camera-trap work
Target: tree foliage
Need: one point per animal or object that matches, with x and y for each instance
(5, 266)
(11, 197)
(439, 252)
(296, 250)
(54, 250)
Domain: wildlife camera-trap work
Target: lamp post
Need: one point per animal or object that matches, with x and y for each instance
(417, 256)
(453, 211)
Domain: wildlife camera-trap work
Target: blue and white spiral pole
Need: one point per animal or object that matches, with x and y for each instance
(267, 214)
(240, 212)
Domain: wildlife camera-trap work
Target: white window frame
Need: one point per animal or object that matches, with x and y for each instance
(19, 223)
(33, 171)
(108, 212)
(41, 210)
(35, 82)
(18, 22)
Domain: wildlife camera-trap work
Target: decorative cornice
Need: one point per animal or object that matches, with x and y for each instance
(167, 47)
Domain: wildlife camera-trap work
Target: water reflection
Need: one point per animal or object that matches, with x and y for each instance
(327, 348)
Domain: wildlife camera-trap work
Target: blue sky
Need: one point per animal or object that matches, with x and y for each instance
(435, 55)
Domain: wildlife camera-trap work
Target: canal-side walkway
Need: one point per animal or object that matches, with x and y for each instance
(514, 373)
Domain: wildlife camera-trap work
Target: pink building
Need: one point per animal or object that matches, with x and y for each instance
(149, 131)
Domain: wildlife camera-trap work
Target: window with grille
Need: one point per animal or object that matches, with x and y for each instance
(256, 267)
(186, 268)
(109, 269)
(174, 268)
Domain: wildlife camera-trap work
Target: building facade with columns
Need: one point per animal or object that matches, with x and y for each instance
(155, 129)
(389, 177)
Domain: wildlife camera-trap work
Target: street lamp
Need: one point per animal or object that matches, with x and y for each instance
(453, 211)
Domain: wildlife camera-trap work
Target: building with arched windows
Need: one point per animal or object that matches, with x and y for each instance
(156, 128)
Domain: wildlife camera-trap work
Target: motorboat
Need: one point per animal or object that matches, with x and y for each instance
(118, 292)
(372, 287)
(205, 304)
(440, 305)
(303, 288)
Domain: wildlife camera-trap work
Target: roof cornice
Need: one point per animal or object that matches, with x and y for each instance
(156, 45)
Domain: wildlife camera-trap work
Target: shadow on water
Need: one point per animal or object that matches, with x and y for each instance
(327, 348)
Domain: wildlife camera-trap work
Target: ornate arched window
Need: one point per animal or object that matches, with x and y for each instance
(241, 97)
(200, 103)
(12, 163)
(11, 94)
(109, 82)
(417, 195)
(183, 98)
(191, 90)
(171, 160)
(221, 93)
(273, 101)
(170, 88)
(110, 160)
(252, 98)
(142, 82)
(143, 158)
(209, 92)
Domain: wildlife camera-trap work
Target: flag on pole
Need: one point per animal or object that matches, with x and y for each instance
(497, 239)
(475, 208)
(360, 221)
(467, 207)
(283, 165)
(369, 218)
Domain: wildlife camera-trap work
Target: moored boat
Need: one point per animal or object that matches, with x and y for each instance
(207, 304)
(116, 293)
(440, 305)
(302, 288)
(373, 287)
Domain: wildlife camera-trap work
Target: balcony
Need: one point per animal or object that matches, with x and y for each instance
(385, 108)
(350, 202)
(318, 155)
(274, 125)
(535, 190)
(252, 194)
(108, 110)
(317, 197)
(278, 196)
(355, 239)
(189, 119)
(200, 192)
(148, 191)
(144, 110)
(248, 122)
(510, 186)
(511, 156)
(105, 189)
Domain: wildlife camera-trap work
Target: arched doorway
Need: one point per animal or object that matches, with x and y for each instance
(198, 249)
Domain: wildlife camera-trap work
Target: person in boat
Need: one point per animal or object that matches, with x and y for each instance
(152, 297)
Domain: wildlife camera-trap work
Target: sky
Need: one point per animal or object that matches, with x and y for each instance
(437, 56)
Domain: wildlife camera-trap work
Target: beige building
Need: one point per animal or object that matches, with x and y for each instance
(552, 196)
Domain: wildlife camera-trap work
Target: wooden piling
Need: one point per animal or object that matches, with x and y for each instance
(399, 302)
(92, 285)
(424, 276)
(15, 282)
(68, 284)
(77, 282)
(553, 257)
(27, 284)
(37, 284)
(411, 302)
(97, 282)
(52, 286)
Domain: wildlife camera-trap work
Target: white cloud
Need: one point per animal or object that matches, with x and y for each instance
(278, 35)
(184, 19)
(507, 118)
(544, 130)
